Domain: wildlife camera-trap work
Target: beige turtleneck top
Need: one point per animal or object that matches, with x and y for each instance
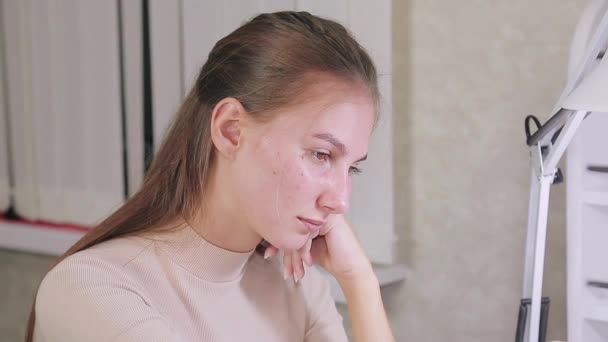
(175, 286)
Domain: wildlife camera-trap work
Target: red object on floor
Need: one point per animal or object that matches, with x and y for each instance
(53, 225)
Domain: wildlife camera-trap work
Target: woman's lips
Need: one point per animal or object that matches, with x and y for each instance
(312, 225)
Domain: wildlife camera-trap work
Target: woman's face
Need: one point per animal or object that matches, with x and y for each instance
(293, 172)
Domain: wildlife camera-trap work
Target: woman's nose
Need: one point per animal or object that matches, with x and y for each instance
(336, 198)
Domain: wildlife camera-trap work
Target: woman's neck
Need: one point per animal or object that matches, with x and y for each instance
(220, 223)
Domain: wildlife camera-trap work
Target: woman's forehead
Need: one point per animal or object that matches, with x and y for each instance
(347, 119)
(329, 102)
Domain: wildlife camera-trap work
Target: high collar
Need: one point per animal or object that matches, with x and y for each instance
(201, 258)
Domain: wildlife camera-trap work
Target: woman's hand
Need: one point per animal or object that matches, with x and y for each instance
(335, 248)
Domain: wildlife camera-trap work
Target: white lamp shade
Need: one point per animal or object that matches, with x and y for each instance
(591, 94)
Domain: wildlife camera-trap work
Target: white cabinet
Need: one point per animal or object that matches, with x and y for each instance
(587, 240)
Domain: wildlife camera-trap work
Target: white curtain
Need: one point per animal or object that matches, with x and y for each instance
(62, 58)
(4, 166)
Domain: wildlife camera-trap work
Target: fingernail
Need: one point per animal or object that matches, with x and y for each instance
(309, 261)
(295, 278)
(267, 253)
(285, 275)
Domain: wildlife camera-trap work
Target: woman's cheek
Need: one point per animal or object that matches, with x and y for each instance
(298, 180)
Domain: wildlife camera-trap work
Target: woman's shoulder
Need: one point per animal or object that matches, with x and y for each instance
(121, 250)
(101, 265)
(94, 292)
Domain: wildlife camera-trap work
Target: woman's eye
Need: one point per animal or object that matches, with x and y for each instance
(321, 156)
(325, 157)
(354, 170)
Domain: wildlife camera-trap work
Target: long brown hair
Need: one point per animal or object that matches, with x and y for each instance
(262, 64)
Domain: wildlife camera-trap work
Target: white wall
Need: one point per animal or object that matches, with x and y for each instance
(469, 73)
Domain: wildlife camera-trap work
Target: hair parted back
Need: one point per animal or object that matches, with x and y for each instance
(262, 64)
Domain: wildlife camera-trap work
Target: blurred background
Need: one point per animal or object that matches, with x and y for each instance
(88, 88)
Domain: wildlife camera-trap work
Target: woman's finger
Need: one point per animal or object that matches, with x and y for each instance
(298, 267)
(305, 252)
(287, 266)
(270, 252)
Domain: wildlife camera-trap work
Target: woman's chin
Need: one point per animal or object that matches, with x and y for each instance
(291, 243)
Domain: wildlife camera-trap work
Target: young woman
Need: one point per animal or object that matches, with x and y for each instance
(259, 159)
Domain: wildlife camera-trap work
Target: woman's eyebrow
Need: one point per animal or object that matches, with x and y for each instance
(337, 143)
(361, 159)
(332, 140)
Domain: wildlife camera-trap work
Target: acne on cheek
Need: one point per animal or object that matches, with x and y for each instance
(283, 176)
(294, 176)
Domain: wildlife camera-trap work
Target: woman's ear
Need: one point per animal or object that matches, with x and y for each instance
(226, 126)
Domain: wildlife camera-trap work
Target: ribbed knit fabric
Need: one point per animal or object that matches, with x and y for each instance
(175, 286)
